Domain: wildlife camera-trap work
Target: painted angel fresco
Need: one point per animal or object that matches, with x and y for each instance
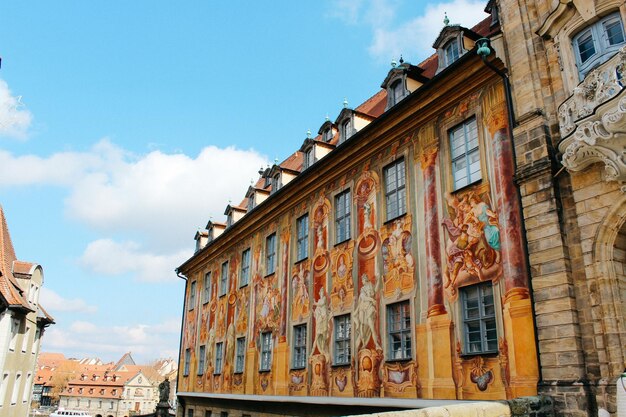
(473, 243)
(300, 291)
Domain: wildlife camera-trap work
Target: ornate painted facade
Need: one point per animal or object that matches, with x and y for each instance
(432, 243)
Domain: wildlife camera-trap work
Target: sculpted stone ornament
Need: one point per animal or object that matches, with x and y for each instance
(164, 391)
(593, 121)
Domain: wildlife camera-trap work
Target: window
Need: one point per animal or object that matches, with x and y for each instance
(479, 319)
(342, 216)
(240, 353)
(16, 388)
(224, 279)
(15, 328)
(465, 154)
(395, 189)
(3, 387)
(201, 359)
(187, 361)
(299, 346)
(219, 360)
(33, 349)
(190, 413)
(270, 254)
(342, 330)
(251, 203)
(192, 295)
(399, 330)
(244, 277)
(309, 157)
(266, 351)
(328, 135)
(596, 43)
(206, 290)
(396, 92)
(207, 413)
(346, 132)
(224, 414)
(276, 183)
(27, 387)
(25, 339)
(451, 51)
(302, 229)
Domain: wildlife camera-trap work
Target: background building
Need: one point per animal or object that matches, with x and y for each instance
(460, 235)
(22, 322)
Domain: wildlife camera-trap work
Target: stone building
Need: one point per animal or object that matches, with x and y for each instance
(22, 323)
(458, 236)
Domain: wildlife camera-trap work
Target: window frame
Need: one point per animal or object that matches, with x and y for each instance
(602, 49)
(244, 275)
(345, 130)
(187, 363)
(219, 358)
(206, 290)
(397, 195)
(402, 310)
(265, 362)
(396, 91)
(467, 154)
(452, 44)
(482, 319)
(309, 157)
(342, 343)
(270, 256)
(302, 237)
(240, 354)
(201, 360)
(299, 348)
(224, 279)
(343, 218)
(192, 295)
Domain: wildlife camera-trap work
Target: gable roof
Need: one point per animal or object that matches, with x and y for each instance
(10, 289)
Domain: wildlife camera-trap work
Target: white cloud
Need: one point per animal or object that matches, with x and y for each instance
(145, 341)
(159, 198)
(15, 119)
(107, 257)
(412, 38)
(53, 302)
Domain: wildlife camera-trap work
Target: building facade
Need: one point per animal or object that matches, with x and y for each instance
(458, 236)
(22, 323)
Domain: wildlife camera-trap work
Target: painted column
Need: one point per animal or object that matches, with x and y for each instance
(431, 227)
(507, 197)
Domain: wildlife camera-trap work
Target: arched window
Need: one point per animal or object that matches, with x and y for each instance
(596, 43)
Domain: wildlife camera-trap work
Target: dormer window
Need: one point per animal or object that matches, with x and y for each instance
(229, 219)
(328, 135)
(451, 52)
(396, 92)
(309, 157)
(276, 182)
(345, 131)
(596, 43)
(251, 204)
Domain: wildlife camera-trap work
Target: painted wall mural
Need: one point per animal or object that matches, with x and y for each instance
(473, 241)
(444, 242)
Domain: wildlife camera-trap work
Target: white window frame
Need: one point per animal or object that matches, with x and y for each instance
(468, 153)
(299, 353)
(484, 317)
(219, 358)
(343, 216)
(244, 276)
(25, 339)
(192, 295)
(201, 359)
(16, 388)
(240, 354)
(451, 51)
(206, 291)
(602, 49)
(224, 275)
(400, 339)
(395, 189)
(342, 333)
(4, 383)
(15, 329)
(270, 254)
(302, 236)
(265, 364)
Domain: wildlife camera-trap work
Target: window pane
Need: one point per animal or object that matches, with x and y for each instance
(586, 48)
(614, 32)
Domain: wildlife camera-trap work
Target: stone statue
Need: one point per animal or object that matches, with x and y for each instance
(164, 391)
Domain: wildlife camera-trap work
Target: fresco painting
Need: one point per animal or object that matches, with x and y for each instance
(473, 241)
(398, 260)
(300, 284)
(342, 282)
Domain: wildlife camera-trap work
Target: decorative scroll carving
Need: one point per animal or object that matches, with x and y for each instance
(599, 86)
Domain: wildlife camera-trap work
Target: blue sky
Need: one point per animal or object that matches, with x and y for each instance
(125, 126)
